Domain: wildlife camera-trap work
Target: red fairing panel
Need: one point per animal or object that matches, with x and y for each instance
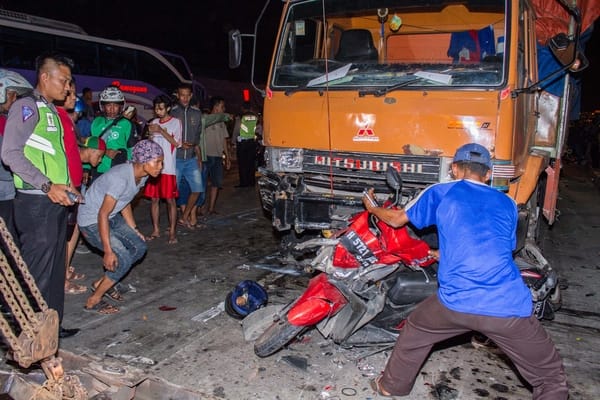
(321, 299)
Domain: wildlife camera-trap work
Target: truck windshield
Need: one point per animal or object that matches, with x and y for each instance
(390, 45)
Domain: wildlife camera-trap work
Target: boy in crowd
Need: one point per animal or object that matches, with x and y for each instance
(166, 131)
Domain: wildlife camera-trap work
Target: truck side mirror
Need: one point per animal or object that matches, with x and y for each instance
(235, 48)
(563, 48)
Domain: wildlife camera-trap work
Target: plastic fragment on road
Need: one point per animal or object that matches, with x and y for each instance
(167, 308)
(300, 363)
(210, 313)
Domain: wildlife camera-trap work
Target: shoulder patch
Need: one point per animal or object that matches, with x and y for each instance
(26, 112)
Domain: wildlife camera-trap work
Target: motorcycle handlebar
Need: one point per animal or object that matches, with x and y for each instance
(370, 198)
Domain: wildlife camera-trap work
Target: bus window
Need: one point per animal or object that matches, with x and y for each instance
(179, 63)
(20, 48)
(151, 70)
(85, 56)
(117, 62)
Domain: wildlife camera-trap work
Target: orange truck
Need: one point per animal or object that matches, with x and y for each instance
(356, 87)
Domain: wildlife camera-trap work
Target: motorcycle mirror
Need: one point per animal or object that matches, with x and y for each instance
(393, 178)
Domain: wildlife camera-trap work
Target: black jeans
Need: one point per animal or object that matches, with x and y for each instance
(42, 229)
(246, 155)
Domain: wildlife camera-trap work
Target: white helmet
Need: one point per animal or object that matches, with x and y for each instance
(10, 80)
(112, 94)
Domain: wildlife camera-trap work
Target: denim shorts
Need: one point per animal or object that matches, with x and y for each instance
(188, 169)
(214, 166)
(124, 241)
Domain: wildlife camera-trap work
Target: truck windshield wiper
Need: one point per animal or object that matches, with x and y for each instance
(443, 79)
(386, 90)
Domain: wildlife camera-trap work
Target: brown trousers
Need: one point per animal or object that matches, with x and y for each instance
(524, 340)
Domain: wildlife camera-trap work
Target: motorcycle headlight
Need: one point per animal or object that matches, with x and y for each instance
(279, 159)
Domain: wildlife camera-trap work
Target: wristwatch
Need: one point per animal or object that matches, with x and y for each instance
(47, 186)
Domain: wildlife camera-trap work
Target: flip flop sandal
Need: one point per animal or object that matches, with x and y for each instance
(74, 276)
(151, 238)
(112, 293)
(73, 288)
(102, 308)
(377, 388)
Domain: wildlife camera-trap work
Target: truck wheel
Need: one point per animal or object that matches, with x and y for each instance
(275, 337)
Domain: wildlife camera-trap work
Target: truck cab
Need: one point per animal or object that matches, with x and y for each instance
(358, 87)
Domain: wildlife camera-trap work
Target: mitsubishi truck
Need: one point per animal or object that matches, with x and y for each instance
(356, 87)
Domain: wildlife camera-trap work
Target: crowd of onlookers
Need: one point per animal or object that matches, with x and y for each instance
(71, 168)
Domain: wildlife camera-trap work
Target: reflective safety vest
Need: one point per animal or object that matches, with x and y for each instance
(248, 126)
(45, 148)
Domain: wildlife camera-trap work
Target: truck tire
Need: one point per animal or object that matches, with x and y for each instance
(275, 337)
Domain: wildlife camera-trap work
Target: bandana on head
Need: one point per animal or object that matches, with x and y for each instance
(146, 150)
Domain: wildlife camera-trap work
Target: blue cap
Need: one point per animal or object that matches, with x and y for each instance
(473, 152)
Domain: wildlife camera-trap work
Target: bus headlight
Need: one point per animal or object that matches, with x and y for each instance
(279, 159)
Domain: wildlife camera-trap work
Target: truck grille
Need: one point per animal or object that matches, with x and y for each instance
(351, 171)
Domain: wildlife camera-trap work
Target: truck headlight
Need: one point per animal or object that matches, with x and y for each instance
(279, 159)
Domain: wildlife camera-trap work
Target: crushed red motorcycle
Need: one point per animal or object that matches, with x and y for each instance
(370, 276)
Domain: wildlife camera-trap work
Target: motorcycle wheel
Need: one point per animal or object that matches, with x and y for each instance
(275, 337)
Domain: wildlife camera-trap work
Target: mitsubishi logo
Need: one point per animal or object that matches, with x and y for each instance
(365, 135)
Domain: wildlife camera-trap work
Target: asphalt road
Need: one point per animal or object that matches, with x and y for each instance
(163, 334)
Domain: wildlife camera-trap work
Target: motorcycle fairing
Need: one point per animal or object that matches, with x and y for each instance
(321, 299)
(361, 247)
(353, 316)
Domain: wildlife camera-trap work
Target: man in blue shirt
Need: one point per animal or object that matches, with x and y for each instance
(480, 287)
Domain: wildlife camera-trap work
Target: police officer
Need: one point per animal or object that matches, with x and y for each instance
(245, 131)
(33, 148)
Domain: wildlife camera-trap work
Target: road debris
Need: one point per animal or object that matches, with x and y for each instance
(210, 313)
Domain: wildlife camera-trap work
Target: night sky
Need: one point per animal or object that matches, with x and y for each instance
(198, 31)
(195, 29)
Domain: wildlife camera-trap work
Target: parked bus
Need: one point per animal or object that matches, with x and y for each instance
(140, 72)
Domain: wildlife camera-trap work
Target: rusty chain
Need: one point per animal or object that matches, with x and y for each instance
(13, 293)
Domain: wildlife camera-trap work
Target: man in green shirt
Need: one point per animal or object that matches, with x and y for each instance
(112, 128)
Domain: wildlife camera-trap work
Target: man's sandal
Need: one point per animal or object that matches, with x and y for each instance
(377, 388)
(113, 293)
(74, 288)
(74, 276)
(102, 307)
